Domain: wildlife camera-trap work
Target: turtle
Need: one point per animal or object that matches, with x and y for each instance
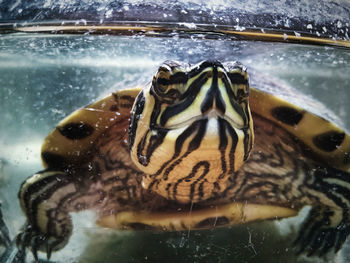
(197, 147)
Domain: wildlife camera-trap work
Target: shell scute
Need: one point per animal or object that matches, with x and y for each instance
(324, 139)
(72, 140)
(287, 115)
(76, 130)
(329, 141)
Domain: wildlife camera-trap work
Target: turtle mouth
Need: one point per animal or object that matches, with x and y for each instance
(211, 114)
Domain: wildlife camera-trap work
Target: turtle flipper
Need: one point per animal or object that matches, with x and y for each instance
(318, 237)
(48, 225)
(47, 198)
(328, 224)
(4, 232)
(12, 254)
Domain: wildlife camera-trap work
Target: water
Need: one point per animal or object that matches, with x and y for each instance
(43, 78)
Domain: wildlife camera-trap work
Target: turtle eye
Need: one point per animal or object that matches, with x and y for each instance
(169, 81)
(238, 76)
(161, 80)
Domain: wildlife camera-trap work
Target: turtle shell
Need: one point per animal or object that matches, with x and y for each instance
(308, 120)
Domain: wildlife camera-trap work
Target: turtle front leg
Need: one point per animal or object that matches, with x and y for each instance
(11, 253)
(318, 234)
(46, 199)
(4, 232)
(328, 224)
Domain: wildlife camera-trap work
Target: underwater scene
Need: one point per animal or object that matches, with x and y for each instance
(49, 70)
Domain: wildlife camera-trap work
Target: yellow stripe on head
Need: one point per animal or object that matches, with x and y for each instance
(191, 128)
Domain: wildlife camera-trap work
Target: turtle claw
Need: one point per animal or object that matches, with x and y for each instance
(48, 251)
(35, 254)
(35, 241)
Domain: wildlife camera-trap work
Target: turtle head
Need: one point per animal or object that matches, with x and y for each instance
(191, 128)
